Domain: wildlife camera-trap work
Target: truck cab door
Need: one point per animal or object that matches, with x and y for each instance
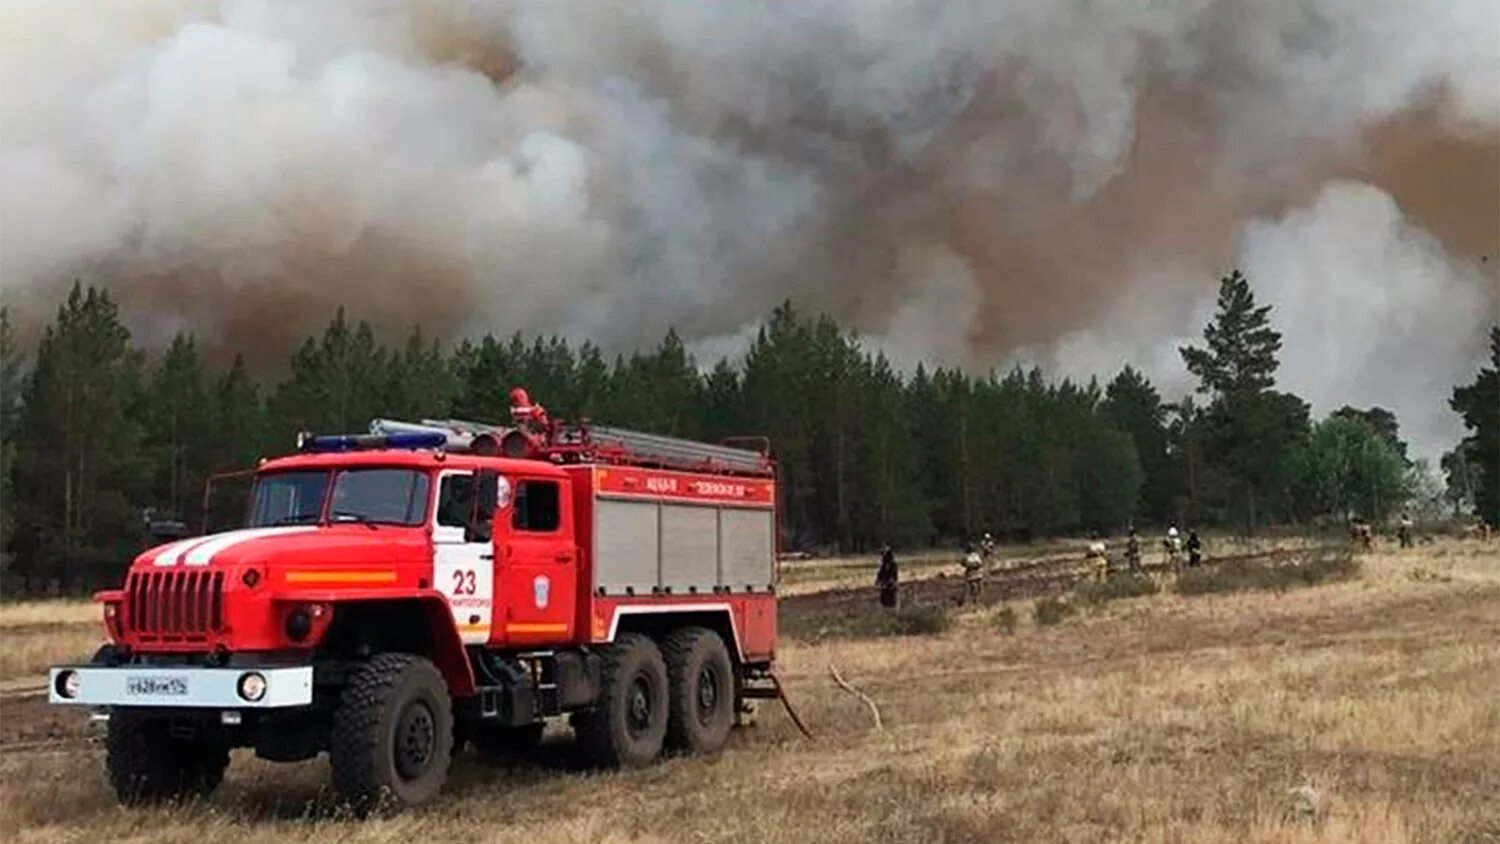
(538, 563)
(463, 566)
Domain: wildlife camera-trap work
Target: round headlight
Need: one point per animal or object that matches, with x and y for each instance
(298, 624)
(252, 686)
(69, 684)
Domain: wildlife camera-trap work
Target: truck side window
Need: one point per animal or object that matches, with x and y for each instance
(536, 506)
(455, 500)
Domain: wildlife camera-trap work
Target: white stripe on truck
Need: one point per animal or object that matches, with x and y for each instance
(645, 609)
(200, 551)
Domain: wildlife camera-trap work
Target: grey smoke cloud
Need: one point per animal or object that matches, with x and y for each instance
(954, 178)
(1372, 310)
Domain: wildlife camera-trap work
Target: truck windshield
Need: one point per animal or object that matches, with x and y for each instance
(288, 498)
(389, 496)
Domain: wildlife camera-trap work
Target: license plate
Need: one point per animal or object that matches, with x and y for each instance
(157, 686)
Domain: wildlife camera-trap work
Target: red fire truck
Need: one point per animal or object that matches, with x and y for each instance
(399, 594)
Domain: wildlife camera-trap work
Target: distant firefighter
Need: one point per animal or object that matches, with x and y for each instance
(973, 574)
(1403, 530)
(888, 579)
(1133, 551)
(1098, 558)
(1480, 530)
(1172, 546)
(1361, 534)
(1194, 548)
(987, 546)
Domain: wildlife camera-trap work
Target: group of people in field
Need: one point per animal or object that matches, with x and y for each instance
(1172, 544)
(1176, 551)
(888, 574)
(976, 555)
(1362, 532)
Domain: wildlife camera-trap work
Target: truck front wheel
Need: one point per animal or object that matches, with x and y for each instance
(626, 726)
(392, 733)
(147, 764)
(702, 691)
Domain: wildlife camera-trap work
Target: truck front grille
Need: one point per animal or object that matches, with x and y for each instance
(173, 606)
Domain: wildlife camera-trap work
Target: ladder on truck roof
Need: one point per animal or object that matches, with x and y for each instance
(536, 436)
(621, 445)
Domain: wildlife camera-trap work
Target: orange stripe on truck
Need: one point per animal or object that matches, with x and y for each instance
(519, 627)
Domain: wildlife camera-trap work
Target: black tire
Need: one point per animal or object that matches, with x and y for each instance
(628, 724)
(392, 734)
(497, 744)
(147, 765)
(701, 697)
(461, 733)
(106, 655)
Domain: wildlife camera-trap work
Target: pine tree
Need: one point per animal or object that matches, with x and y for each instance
(79, 467)
(1109, 477)
(239, 420)
(180, 435)
(336, 384)
(1461, 473)
(420, 382)
(1478, 402)
(890, 486)
(1248, 429)
(776, 404)
(659, 391)
(1240, 357)
(1134, 407)
(10, 406)
(240, 439)
(591, 381)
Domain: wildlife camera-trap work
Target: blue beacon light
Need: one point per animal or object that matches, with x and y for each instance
(357, 442)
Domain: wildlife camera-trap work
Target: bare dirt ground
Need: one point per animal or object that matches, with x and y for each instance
(1163, 718)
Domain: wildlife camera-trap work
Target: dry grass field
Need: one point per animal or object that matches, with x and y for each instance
(35, 634)
(1160, 718)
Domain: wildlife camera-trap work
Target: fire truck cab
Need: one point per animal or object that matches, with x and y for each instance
(397, 595)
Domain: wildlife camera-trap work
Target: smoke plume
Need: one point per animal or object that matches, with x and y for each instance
(973, 180)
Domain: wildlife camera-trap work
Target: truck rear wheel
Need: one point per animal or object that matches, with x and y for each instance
(627, 725)
(701, 696)
(147, 764)
(392, 733)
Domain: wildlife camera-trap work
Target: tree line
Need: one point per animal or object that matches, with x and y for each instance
(98, 436)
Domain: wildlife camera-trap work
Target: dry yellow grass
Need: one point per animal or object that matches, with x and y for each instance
(36, 634)
(33, 613)
(27, 654)
(1161, 719)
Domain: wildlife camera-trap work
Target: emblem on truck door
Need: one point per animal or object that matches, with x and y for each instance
(540, 587)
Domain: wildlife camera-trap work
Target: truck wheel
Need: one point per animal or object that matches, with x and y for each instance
(500, 743)
(147, 765)
(392, 733)
(626, 726)
(701, 700)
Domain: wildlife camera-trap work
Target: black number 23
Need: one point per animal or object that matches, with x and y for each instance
(463, 582)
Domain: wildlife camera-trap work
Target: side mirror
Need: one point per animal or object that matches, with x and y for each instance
(486, 495)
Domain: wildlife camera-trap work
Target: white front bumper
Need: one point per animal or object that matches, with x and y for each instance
(216, 688)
